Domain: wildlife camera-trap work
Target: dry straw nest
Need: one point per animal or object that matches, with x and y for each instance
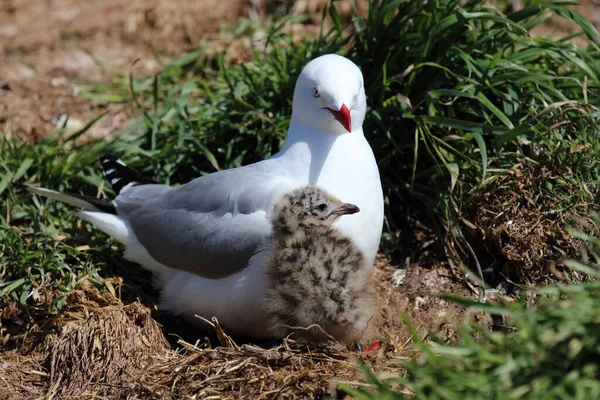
(99, 347)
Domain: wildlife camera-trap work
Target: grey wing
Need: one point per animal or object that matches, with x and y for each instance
(211, 226)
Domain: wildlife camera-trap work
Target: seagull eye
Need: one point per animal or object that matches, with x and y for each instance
(316, 92)
(322, 207)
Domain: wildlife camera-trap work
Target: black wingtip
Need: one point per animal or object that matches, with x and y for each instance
(119, 174)
(107, 158)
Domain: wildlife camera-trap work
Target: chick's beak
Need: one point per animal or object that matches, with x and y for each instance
(343, 117)
(346, 209)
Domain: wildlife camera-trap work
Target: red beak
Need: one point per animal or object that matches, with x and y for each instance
(343, 117)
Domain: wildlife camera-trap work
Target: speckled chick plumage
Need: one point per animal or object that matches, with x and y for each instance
(318, 275)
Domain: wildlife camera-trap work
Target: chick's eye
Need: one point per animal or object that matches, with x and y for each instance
(316, 92)
(322, 207)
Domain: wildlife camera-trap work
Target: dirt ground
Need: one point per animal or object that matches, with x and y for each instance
(47, 49)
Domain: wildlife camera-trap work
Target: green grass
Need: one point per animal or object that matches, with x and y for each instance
(547, 351)
(45, 251)
(457, 88)
(454, 92)
(553, 353)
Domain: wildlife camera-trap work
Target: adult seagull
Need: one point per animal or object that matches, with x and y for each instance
(206, 241)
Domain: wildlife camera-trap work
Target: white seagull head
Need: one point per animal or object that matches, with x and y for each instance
(330, 96)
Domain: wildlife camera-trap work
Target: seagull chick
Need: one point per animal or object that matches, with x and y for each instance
(321, 285)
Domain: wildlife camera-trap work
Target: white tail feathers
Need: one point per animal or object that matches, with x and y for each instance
(110, 224)
(119, 229)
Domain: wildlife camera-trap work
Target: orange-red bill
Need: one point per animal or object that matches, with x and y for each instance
(343, 117)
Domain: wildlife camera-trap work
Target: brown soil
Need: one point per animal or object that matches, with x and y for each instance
(47, 48)
(556, 27)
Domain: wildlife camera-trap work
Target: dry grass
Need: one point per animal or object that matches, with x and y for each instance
(86, 361)
(520, 224)
(250, 371)
(103, 351)
(98, 347)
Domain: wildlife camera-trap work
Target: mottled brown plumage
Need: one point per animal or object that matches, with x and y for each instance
(318, 275)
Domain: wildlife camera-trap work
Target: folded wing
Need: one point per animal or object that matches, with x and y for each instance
(211, 226)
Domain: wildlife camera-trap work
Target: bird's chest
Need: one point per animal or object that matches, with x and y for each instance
(353, 177)
(350, 171)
